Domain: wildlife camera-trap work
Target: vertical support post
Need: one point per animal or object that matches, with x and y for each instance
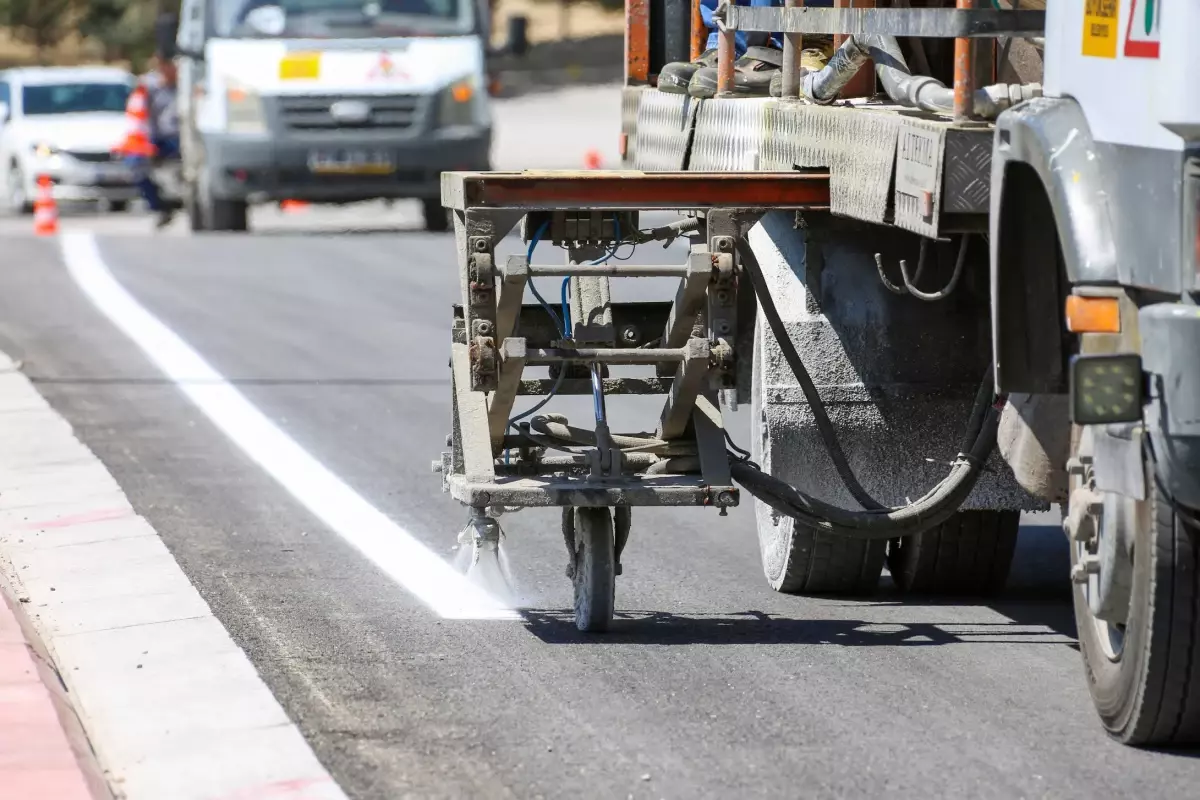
(726, 48)
(863, 82)
(699, 31)
(637, 42)
(964, 72)
(793, 44)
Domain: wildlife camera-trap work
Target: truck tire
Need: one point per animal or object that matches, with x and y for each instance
(1144, 676)
(228, 215)
(207, 213)
(799, 560)
(968, 555)
(437, 218)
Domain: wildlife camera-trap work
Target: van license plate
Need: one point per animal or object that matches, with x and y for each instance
(351, 162)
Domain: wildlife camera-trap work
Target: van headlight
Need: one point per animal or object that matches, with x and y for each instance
(244, 110)
(457, 103)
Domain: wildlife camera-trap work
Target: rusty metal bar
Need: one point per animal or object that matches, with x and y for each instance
(793, 44)
(863, 82)
(618, 189)
(604, 355)
(610, 270)
(964, 71)
(726, 52)
(637, 42)
(699, 31)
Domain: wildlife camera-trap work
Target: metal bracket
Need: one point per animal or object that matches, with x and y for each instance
(512, 363)
(512, 291)
(689, 302)
(478, 461)
(690, 379)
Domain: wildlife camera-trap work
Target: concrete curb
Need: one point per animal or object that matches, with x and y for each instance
(172, 707)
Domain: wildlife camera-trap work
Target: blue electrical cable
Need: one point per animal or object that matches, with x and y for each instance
(565, 324)
(533, 243)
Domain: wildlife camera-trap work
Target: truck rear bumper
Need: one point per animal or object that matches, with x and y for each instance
(273, 169)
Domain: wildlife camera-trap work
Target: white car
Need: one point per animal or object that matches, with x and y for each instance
(63, 122)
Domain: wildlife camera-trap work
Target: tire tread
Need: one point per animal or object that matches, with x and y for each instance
(968, 555)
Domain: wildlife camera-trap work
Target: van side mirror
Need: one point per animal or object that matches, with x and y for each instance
(518, 35)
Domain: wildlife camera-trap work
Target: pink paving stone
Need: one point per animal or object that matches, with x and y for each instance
(17, 664)
(44, 784)
(36, 758)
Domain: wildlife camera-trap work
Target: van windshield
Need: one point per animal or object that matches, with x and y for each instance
(340, 19)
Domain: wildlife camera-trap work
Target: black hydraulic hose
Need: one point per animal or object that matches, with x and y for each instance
(878, 521)
(824, 424)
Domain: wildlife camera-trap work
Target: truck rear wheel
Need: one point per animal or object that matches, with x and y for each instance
(798, 560)
(1144, 672)
(968, 555)
(437, 218)
(207, 213)
(228, 215)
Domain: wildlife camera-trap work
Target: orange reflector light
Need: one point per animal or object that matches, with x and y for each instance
(462, 92)
(1093, 315)
(236, 95)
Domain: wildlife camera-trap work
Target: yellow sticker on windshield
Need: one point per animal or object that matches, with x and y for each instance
(1100, 28)
(300, 67)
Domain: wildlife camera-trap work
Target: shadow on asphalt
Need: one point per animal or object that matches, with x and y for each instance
(757, 628)
(1036, 604)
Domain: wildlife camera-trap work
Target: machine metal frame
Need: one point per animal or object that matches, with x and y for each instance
(493, 466)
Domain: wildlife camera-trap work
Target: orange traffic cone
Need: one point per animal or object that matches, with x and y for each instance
(593, 160)
(45, 210)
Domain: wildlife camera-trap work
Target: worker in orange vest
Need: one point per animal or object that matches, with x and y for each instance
(152, 133)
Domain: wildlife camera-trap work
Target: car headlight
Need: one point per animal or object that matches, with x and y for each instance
(244, 110)
(457, 103)
(45, 149)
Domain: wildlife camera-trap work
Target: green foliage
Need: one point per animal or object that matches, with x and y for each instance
(123, 29)
(41, 23)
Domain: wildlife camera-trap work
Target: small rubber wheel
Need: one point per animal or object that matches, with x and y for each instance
(595, 569)
(968, 555)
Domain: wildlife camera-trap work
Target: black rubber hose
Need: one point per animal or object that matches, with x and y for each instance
(824, 424)
(878, 521)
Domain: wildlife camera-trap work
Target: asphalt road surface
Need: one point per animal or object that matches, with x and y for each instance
(711, 685)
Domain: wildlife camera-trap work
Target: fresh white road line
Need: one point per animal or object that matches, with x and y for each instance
(390, 547)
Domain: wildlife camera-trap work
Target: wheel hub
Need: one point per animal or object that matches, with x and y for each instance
(1102, 526)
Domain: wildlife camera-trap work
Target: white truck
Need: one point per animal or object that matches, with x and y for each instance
(1014, 193)
(328, 101)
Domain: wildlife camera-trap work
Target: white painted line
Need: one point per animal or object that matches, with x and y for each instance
(390, 547)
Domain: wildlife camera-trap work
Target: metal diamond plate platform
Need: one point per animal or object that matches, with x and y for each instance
(729, 135)
(631, 101)
(663, 130)
(857, 146)
(967, 171)
(874, 176)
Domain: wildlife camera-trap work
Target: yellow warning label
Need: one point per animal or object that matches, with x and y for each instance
(300, 67)
(1100, 28)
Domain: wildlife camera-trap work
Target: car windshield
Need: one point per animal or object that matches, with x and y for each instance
(73, 98)
(328, 19)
